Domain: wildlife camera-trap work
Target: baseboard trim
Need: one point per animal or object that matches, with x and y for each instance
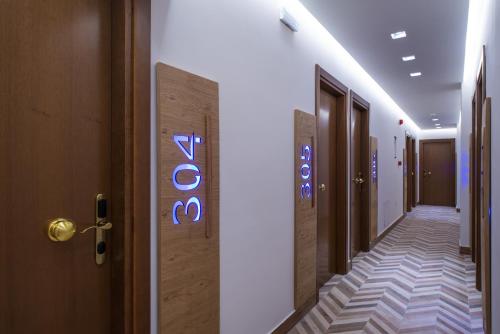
(465, 250)
(458, 210)
(386, 231)
(295, 317)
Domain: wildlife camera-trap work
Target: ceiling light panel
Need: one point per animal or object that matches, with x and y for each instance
(409, 58)
(398, 35)
(415, 74)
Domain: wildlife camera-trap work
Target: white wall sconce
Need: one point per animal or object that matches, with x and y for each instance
(287, 19)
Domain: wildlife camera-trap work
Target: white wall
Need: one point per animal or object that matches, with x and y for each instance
(482, 29)
(265, 71)
(438, 134)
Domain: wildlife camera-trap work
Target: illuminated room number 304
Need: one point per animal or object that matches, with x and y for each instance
(187, 146)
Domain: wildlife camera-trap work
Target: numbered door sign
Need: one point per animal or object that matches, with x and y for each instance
(188, 169)
(305, 171)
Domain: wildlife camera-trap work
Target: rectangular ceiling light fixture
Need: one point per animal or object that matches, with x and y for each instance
(409, 58)
(435, 119)
(415, 74)
(398, 35)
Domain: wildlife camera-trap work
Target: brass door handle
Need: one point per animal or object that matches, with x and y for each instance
(358, 180)
(322, 187)
(61, 229)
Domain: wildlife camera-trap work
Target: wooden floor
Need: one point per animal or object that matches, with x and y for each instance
(413, 281)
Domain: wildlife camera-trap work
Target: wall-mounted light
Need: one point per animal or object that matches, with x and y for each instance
(287, 19)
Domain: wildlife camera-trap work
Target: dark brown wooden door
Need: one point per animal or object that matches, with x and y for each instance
(409, 181)
(357, 184)
(438, 172)
(325, 260)
(414, 173)
(55, 148)
(360, 171)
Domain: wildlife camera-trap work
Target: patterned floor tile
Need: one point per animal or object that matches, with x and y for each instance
(413, 281)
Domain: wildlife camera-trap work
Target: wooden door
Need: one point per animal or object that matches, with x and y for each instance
(414, 173)
(477, 128)
(360, 175)
(408, 173)
(326, 169)
(486, 215)
(358, 181)
(55, 143)
(188, 167)
(438, 172)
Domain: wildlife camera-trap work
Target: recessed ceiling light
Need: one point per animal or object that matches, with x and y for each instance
(409, 58)
(438, 127)
(398, 35)
(415, 74)
(435, 119)
(437, 124)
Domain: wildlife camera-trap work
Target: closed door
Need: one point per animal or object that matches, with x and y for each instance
(357, 182)
(326, 184)
(438, 172)
(360, 186)
(55, 143)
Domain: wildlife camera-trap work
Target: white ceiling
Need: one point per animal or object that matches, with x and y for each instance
(436, 32)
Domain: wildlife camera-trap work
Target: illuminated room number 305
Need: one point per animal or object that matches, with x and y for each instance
(187, 146)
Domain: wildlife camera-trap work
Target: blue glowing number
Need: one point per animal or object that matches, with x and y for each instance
(187, 146)
(305, 171)
(186, 167)
(192, 201)
(191, 140)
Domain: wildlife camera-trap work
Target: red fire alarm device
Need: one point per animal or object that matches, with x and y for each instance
(401, 122)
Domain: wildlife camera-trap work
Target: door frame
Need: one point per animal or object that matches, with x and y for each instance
(130, 165)
(478, 99)
(325, 81)
(453, 161)
(364, 106)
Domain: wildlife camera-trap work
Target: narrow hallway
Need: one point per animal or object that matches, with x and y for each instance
(413, 281)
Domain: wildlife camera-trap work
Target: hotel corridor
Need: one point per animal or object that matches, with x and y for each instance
(413, 281)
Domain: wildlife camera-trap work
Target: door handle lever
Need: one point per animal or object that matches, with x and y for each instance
(105, 226)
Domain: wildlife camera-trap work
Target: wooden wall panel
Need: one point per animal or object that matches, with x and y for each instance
(305, 208)
(373, 188)
(405, 181)
(188, 174)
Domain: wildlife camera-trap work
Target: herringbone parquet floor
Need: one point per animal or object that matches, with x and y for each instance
(413, 281)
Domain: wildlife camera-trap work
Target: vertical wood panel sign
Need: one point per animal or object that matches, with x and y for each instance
(305, 208)
(373, 188)
(188, 190)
